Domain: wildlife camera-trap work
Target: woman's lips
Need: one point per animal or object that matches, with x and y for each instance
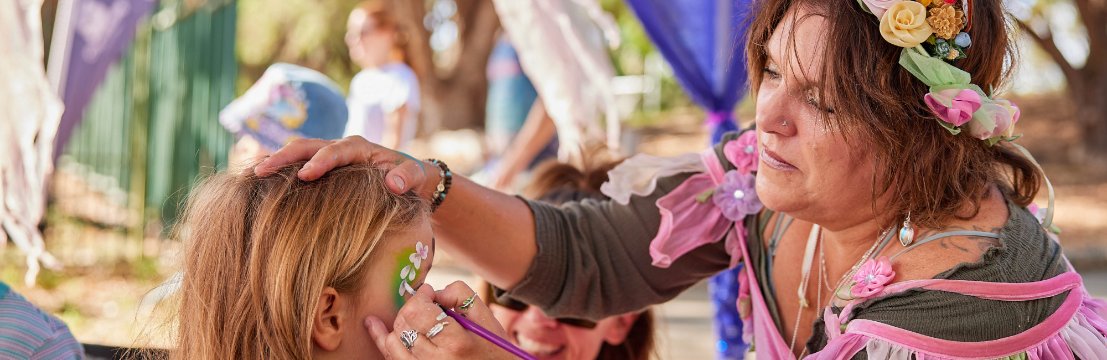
(773, 160)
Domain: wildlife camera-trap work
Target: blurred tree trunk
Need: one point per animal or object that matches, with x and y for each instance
(1087, 85)
(453, 94)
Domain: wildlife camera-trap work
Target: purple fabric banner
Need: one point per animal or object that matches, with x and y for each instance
(96, 33)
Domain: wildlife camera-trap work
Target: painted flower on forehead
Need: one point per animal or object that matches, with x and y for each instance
(904, 24)
(742, 152)
(421, 252)
(946, 21)
(736, 197)
(871, 278)
(954, 106)
(879, 7)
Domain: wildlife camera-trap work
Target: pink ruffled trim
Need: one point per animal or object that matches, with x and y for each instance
(1077, 327)
(1078, 338)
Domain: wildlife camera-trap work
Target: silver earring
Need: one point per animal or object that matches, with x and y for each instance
(907, 232)
(784, 123)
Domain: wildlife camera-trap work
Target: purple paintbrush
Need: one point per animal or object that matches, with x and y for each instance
(488, 335)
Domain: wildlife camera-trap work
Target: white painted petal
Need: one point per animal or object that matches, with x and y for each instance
(405, 271)
(422, 250)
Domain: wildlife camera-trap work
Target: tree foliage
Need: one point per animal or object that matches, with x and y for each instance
(1086, 79)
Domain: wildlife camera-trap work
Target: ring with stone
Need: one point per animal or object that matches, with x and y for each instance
(437, 328)
(468, 303)
(408, 337)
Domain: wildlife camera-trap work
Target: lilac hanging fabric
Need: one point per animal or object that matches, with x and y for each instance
(93, 35)
(703, 41)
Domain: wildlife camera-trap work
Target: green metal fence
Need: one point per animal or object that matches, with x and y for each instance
(152, 127)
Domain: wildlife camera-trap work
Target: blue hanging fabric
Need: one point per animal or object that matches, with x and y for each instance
(704, 43)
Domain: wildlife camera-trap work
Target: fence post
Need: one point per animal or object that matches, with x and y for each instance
(139, 124)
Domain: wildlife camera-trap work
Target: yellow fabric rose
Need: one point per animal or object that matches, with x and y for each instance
(904, 24)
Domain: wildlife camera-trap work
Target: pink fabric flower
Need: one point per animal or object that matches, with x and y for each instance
(994, 118)
(871, 278)
(742, 152)
(1038, 212)
(1008, 130)
(954, 106)
(878, 7)
(736, 196)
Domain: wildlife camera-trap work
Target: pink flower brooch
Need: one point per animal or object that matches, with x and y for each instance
(871, 278)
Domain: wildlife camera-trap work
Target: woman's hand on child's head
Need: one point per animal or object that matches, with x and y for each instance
(437, 336)
(404, 172)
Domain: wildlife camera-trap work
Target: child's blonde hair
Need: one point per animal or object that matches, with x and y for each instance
(260, 250)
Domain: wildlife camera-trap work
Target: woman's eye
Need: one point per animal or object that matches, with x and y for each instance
(813, 100)
(772, 74)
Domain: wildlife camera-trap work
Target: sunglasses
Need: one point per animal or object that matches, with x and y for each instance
(519, 306)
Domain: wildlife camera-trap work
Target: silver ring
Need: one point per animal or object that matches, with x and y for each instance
(437, 328)
(468, 303)
(408, 337)
(441, 315)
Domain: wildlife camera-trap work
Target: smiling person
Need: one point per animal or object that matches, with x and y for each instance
(628, 336)
(278, 268)
(880, 206)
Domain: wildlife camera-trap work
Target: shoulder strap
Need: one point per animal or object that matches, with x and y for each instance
(943, 235)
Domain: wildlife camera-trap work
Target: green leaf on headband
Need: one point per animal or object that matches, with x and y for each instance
(931, 71)
(865, 7)
(952, 129)
(973, 87)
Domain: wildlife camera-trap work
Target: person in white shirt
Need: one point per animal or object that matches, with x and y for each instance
(384, 97)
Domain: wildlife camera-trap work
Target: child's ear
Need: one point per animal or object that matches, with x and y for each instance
(329, 320)
(617, 333)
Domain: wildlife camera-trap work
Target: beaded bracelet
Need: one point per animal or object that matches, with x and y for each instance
(446, 178)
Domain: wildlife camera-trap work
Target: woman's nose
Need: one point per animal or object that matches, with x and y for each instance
(775, 113)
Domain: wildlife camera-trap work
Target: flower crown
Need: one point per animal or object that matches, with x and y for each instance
(932, 32)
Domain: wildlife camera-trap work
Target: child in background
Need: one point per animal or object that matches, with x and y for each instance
(288, 102)
(384, 96)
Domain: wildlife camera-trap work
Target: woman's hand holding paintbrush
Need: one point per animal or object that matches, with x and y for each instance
(423, 329)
